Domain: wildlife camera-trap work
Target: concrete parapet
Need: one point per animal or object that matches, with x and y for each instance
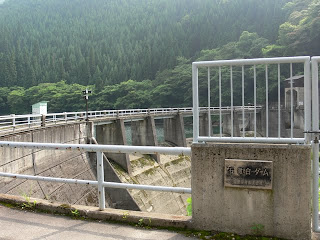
(144, 134)
(114, 134)
(174, 130)
(284, 211)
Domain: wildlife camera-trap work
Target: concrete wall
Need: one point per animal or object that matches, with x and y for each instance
(65, 164)
(284, 211)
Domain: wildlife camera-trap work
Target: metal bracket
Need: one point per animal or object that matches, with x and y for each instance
(316, 140)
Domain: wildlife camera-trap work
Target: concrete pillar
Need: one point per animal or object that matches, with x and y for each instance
(204, 124)
(89, 131)
(298, 117)
(283, 211)
(273, 122)
(226, 124)
(174, 130)
(144, 134)
(114, 134)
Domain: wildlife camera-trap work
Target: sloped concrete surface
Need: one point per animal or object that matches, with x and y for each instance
(171, 171)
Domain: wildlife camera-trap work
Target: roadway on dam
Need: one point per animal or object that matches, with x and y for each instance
(26, 225)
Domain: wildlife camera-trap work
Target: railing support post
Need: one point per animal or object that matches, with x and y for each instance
(100, 178)
(43, 120)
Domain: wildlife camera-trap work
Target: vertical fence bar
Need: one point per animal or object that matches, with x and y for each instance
(291, 102)
(315, 145)
(255, 99)
(243, 128)
(267, 103)
(231, 95)
(195, 103)
(220, 111)
(279, 101)
(13, 121)
(100, 178)
(209, 105)
(308, 98)
(29, 122)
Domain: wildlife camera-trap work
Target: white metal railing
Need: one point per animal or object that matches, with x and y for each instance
(99, 149)
(11, 123)
(253, 63)
(315, 143)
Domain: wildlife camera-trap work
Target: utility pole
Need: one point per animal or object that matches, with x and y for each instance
(86, 97)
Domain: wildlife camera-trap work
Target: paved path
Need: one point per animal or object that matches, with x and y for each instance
(24, 225)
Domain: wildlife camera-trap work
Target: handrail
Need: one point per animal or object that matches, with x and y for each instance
(99, 149)
(11, 123)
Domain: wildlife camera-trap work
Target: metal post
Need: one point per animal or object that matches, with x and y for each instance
(279, 110)
(209, 106)
(13, 121)
(315, 143)
(231, 95)
(86, 97)
(291, 102)
(267, 103)
(195, 103)
(255, 99)
(307, 95)
(220, 112)
(100, 178)
(243, 128)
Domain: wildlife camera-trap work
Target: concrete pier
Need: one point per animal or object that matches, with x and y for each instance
(174, 130)
(114, 134)
(144, 134)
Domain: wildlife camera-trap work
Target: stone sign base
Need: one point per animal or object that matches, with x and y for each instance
(281, 211)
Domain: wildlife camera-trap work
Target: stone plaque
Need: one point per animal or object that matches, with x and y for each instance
(248, 173)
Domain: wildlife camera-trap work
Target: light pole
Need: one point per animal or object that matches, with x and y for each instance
(86, 97)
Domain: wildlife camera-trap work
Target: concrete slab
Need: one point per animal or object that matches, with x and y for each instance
(24, 225)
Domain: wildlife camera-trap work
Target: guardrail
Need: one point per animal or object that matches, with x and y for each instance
(11, 123)
(229, 68)
(99, 149)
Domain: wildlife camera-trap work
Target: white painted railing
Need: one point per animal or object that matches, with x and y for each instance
(11, 123)
(315, 143)
(99, 149)
(253, 63)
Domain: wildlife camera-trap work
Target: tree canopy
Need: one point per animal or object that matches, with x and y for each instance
(138, 54)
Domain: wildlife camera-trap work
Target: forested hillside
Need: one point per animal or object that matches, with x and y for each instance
(137, 53)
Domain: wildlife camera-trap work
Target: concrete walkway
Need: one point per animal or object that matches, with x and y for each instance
(18, 224)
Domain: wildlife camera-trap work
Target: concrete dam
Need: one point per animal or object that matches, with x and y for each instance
(137, 169)
(142, 169)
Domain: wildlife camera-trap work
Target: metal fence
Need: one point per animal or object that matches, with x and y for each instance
(287, 63)
(99, 149)
(13, 123)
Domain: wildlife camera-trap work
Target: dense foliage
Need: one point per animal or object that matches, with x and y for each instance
(135, 53)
